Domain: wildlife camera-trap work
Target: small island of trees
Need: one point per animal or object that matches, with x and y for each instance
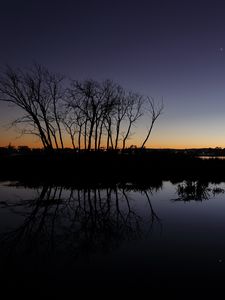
(98, 118)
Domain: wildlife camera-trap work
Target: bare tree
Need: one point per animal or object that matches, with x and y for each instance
(133, 113)
(86, 98)
(95, 104)
(71, 128)
(154, 112)
(74, 121)
(56, 93)
(110, 91)
(121, 106)
(92, 113)
(37, 93)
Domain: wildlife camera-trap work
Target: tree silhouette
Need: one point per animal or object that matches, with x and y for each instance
(93, 114)
(153, 113)
(37, 92)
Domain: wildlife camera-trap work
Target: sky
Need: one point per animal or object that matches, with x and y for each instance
(173, 50)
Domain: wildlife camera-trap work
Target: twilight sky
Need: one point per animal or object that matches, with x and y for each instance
(170, 49)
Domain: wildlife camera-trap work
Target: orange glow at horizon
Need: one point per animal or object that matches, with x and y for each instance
(167, 133)
(154, 142)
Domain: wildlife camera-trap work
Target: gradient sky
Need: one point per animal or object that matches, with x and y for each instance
(169, 49)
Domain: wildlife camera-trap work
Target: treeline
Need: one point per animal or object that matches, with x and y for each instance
(92, 114)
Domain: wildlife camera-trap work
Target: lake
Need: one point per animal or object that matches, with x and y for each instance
(164, 235)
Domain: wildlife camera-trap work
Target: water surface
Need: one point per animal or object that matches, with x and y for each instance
(168, 235)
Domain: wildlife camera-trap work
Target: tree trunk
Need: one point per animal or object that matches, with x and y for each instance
(90, 134)
(117, 134)
(85, 135)
(127, 134)
(100, 135)
(79, 137)
(148, 135)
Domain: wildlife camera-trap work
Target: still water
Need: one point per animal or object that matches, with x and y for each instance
(167, 235)
(206, 157)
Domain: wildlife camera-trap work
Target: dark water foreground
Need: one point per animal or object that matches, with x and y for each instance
(95, 238)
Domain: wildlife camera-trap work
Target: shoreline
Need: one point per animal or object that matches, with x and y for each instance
(110, 168)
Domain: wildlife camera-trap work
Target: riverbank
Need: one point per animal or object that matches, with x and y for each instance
(109, 167)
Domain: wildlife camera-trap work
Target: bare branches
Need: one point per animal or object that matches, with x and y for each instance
(134, 112)
(37, 93)
(154, 112)
(93, 114)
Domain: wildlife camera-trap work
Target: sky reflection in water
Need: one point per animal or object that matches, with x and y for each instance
(165, 236)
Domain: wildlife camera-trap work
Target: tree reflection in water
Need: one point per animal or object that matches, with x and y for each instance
(76, 221)
(196, 190)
